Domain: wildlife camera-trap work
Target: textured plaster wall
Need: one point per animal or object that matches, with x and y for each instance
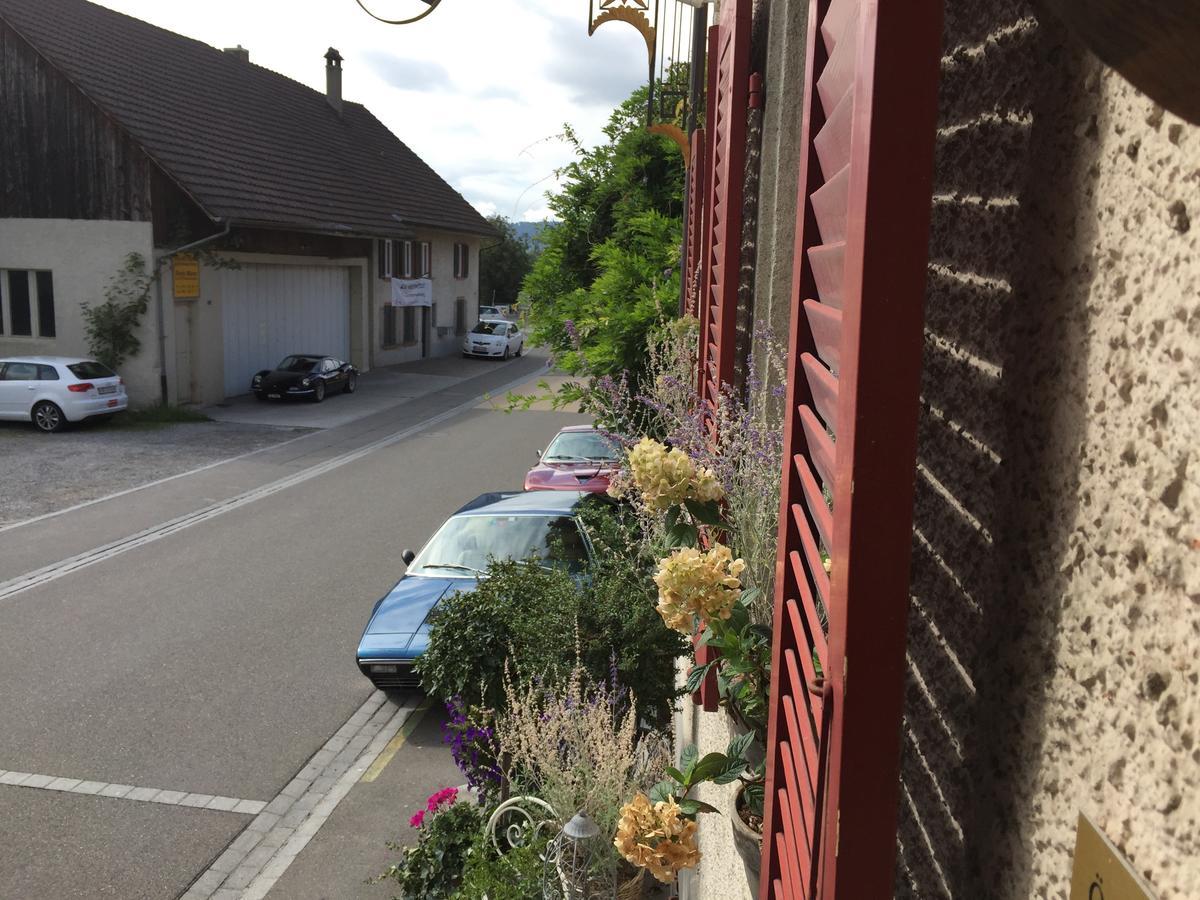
(1055, 625)
(722, 874)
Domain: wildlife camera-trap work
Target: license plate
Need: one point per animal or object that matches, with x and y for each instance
(107, 389)
(112, 402)
(273, 396)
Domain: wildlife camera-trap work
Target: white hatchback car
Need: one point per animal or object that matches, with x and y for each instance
(51, 391)
(494, 337)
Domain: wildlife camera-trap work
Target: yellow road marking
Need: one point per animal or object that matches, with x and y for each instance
(385, 757)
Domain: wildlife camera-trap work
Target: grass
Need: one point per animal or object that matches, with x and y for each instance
(157, 416)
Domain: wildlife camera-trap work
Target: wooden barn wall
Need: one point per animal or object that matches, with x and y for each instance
(60, 156)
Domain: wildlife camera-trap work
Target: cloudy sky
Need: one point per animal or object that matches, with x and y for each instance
(479, 89)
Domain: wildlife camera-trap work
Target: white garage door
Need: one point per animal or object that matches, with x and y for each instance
(271, 311)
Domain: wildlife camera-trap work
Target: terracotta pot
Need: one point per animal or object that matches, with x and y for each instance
(747, 841)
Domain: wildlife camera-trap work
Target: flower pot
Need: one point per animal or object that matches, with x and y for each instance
(633, 888)
(746, 839)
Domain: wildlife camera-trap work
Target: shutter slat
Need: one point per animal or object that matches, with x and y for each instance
(820, 447)
(813, 633)
(824, 389)
(833, 140)
(828, 268)
(792, 890)
(800, 814)
(833, 26)
(814, 501)
(825, 322)
(829, 206)
(812, 559)
(804, 749)
(838, 76)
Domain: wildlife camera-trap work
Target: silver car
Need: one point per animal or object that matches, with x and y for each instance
(51, 391)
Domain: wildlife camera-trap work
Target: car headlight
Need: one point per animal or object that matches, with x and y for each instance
(258, 379)
(304, 382)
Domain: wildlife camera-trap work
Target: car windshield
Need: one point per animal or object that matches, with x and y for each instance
(575, 445)
(91, 369)
(489, 311)
(490, 328)
(296, 364)
(466, 544)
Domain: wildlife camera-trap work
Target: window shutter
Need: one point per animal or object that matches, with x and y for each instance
(837, 674)
(695, 218)
(728, 99)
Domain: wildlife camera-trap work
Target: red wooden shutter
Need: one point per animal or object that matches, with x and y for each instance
(694, 243)
(837, 675)
(728, 98)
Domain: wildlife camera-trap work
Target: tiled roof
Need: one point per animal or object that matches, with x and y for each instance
(250, 145)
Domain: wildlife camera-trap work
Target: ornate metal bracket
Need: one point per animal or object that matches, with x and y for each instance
(632, 12)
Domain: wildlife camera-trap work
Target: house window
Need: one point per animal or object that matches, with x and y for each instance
(45, 304)
(410, 324)
(460, 315)
(426, 269)
(389, 326)
(402, 259)
(30, 300)
(462, 260)
(383, 253)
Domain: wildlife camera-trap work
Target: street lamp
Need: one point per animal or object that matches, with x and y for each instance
(431, 4)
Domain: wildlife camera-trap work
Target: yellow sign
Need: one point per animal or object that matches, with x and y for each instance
(185, 271)
(1101, 872)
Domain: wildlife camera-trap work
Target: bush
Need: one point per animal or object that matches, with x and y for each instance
(433, 869)
(520, 615)
(515, 875)
(526, 617)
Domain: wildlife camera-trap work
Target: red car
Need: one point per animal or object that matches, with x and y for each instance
(578, 459)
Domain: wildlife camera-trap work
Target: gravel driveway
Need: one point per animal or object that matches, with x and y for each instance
(48, 472)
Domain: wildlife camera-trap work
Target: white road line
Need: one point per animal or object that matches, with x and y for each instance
(259, 856)
(131, 792)
(57, 570)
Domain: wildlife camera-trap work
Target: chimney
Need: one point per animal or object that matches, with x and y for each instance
(333, 79)
(240, 52)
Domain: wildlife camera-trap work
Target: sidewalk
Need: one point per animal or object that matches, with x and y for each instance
(351, 847)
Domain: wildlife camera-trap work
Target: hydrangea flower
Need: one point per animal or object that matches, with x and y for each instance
(694, 583)
(657, 837)
(667, 478)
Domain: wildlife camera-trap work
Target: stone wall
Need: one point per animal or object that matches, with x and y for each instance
(1055, 624)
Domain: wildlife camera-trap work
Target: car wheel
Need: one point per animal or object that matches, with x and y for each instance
(260, 396)
(351, 384)
(520, 348)
(48, 417)
(319, 392)
(507, 352)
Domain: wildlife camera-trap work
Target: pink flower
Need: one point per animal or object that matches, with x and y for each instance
(446, 796)
(417, 819)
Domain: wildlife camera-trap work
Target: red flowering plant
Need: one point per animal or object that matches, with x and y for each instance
(446, 833)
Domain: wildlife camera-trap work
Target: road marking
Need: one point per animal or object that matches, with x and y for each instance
(410, 725)
(257, 857)
(65, 567)
(131, 792)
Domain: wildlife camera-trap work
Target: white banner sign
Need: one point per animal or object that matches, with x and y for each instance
(412, 292)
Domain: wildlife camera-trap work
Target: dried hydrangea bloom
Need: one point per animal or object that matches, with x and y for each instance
(657, 837)
(667, 478)
(695, 583)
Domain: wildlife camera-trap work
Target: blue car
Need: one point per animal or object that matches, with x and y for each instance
(542, 525)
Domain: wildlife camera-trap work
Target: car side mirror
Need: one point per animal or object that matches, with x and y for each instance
(537, 453)
(408, 556)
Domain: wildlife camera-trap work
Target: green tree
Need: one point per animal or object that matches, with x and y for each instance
(609, 269)
(503, 264)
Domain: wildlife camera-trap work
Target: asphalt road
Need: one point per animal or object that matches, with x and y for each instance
(218, 658)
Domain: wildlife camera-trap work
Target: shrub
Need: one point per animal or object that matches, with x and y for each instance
(541, 622)
(520, 614)
(433, 869)
(515, 875)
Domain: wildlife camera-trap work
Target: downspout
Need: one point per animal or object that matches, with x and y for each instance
(162, 332)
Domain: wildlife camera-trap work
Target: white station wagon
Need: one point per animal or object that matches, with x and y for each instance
(51, 391)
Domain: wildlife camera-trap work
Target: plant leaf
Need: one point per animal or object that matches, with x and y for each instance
(662, 790)
(709, 766)
(691, 807)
